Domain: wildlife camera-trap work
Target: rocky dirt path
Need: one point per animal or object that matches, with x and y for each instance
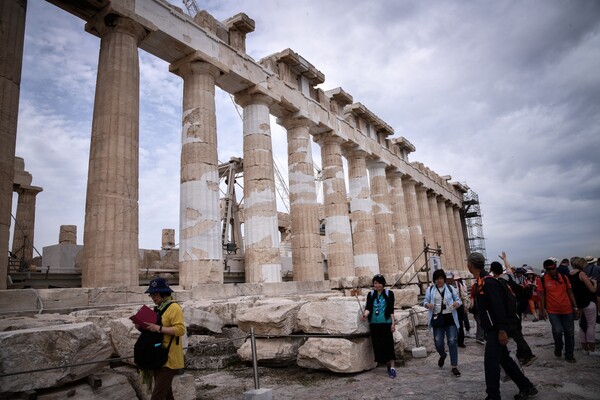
(419, 379)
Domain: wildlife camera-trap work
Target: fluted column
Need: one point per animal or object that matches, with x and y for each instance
(446, 235)
(460, 234)
(12, 34)
(25, 223)
(413, 218)
(436, 225)
(458, 261)
(307, 261)
(200, 241)
(399, 220)
(382, 213)
(111, 213)
(425, 214)
(338, 234)
(366, 260)
(261, 234)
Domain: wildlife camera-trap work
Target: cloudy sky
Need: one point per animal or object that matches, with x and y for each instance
(501, 95)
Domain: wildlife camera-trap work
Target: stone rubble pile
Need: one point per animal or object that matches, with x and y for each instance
(218, 336)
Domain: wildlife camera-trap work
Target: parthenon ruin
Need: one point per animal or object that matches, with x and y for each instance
(380, 223)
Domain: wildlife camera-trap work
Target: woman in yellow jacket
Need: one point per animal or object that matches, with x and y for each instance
(172, 326)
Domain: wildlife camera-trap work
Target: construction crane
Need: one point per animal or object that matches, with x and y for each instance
(191, 7)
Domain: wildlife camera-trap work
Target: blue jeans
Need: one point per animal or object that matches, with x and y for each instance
(563, 323)
(496, 355)
(451, 333)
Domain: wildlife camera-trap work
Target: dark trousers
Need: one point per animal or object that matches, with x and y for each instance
(466, 320)
(163, 378)
(523, 349)
(563, 324)
(495, 356)
(460, 311)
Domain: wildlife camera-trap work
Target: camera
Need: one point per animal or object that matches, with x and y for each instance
(377, 312)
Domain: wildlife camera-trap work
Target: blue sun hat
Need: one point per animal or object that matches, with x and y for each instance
(159, 285)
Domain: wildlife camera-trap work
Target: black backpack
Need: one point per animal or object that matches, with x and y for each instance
(511, 304)
(148, 351)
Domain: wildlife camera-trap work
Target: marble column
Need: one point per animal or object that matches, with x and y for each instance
(460, 233)
(425, 214)
(12, 34)
(446, 234)
(307, 260)
(200, 241)
(261, 233)
(111, 212)
(382, 213)
(23, 235)
(436, 225)
(338, 234)
(413, 218)
(458, 261)
(400, 220)
(366, 260)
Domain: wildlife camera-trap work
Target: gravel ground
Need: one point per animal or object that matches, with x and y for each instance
(418, 379)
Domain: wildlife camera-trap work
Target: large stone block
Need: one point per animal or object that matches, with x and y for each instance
(272, 352)
(208, 352)
(277, 318)
(30, 349)
(405, 297)
(337, 315)
(123, 335)
(422, 315)
(337, 355)
(203, 321)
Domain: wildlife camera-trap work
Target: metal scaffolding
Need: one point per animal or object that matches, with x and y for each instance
(471, 213)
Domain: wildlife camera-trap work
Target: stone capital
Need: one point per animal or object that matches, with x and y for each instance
(352, 150)
(327, 138)
(194, 66)
(254, 95)
(108, 22)
(376, 163)
(29, 190)
(296, 120)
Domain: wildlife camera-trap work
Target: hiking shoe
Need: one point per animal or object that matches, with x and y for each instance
(571, 360)
(526, 361)
(441, 361)
(456, 372)
(535, 320)
(462, 345)
(392, 373)
(479, 341)
(595, 353)
(557, 353)
(525, 394)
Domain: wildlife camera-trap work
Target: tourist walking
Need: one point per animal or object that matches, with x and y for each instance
(463, 317)
(584, 290)
(558, 303)
(380, 313)
(515, 332)
(442, 301)
(172, 325)
(491, 302)
(593, 271)
(533, 297)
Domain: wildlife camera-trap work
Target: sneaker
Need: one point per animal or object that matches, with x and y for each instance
(462, 345)
(456, 372)
(441, 361)
(571, 360)
(392, 373)
(526, 361)
(479, 341)
(468, 334)
(595, 353)
(557, 353)
(525, 394)
(535, 320)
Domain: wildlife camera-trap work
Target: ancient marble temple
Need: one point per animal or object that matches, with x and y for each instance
(379, 223)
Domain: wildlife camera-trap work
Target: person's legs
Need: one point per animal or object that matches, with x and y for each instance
(163, 378)
(466, 320)
(532, 309)
(438, 340)
(557, 333)
(523, 349)
(461, 331)
(569, 330)
(479, 333)
(587, 336)
(491, 365)
(451, 334)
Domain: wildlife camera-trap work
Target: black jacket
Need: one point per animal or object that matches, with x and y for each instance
(491, 299)
(389, 299)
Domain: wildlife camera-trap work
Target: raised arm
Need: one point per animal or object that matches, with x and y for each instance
(506, 263)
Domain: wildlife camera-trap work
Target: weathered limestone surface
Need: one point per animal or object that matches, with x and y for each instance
(123, 335)
(114, 386)
(405, 297)
(334, 316)
(50, 346)
(413, 219)
(198, 319)
(204, 353)
(337, 355)
(399, 221)
(183, 385)
(279, 318)
(272, 352)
